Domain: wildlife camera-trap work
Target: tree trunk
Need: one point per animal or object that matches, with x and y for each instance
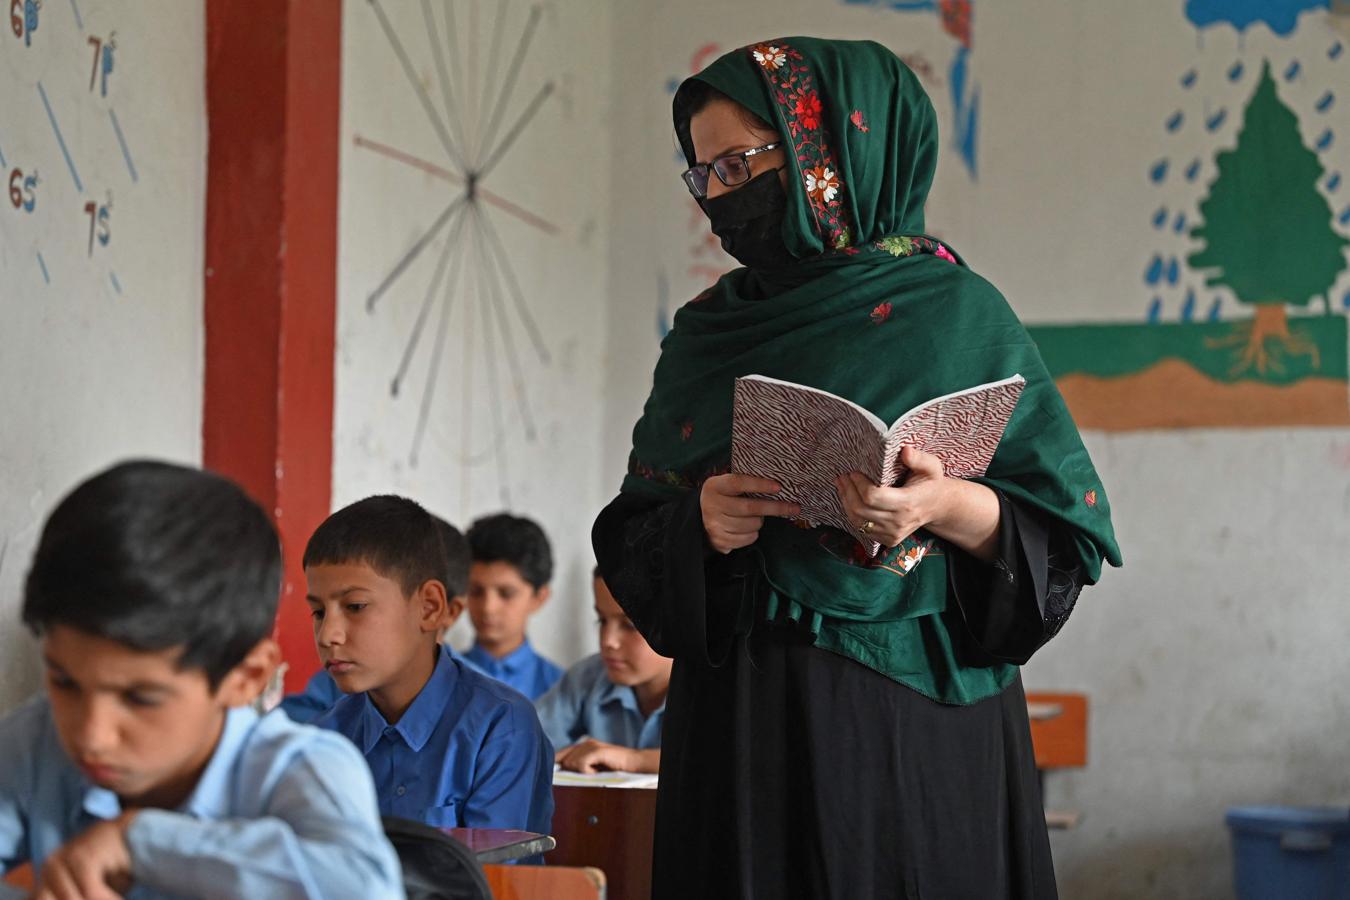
(1272, 324)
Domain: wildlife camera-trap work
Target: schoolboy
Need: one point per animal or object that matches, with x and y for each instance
(606, 712)
(321, 692)
(508, 583)
(143, 770)
(447, 745)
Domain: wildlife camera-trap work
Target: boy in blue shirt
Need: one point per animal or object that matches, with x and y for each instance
(321, 692)
(606, 712)
(508, 583)
(447, 745)
(143, 771)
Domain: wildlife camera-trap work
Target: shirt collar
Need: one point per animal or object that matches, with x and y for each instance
(210, 799)
(422, 715)
(210, 796)
(512, 663)
(626, 697)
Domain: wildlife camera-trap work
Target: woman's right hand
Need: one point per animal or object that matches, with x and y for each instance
(731, 520)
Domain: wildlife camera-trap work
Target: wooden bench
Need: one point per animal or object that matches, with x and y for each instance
(545, 883)
(21, 878)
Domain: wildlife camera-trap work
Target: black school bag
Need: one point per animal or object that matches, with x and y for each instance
(435, 865)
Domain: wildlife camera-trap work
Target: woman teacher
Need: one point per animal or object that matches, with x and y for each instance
(842, 726)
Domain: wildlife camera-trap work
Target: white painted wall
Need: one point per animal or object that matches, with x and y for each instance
(101, 358)
(1213, 659)
(559, 169)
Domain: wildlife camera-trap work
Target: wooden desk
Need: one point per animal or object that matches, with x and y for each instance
(608, 828)
(498, 845)
(612, 828)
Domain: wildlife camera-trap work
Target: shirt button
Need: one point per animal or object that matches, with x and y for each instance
(400, 790)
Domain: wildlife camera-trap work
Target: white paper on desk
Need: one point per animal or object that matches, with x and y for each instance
(604, 779)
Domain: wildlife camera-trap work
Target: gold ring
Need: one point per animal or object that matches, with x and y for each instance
(866, 528)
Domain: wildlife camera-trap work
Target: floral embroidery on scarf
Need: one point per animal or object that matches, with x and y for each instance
(900, 245)
(1090, 498)
(686, 430)
(897, 246)
(822, 184)
(769, 57)
(642, 470)
(912, 557)
(807, 110)
(859, 121)
(673, 478)
(792, 85)
(881, 313)
(897, 560)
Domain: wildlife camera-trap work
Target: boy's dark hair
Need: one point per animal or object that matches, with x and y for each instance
(154, 556)
(457, 558)
(515, 540)
(393, 535)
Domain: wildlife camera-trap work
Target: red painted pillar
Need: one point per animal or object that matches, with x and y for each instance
(273, 91)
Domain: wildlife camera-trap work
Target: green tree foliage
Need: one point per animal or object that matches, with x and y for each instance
(1267, 229)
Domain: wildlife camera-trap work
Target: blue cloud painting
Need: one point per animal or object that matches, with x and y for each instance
(1280, 16)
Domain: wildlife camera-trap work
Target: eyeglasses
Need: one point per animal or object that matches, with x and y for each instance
(732, 169)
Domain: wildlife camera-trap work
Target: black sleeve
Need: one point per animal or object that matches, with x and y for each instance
(1014, 604)
(687, 600)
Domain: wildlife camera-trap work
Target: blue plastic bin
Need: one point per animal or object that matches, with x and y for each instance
(1291, 852)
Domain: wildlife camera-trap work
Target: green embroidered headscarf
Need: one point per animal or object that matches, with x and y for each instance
(878, 312)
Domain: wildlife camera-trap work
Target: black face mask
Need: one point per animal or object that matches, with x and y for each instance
(749, 222)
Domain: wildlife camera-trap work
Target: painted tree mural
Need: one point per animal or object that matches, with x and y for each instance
(1267, 230)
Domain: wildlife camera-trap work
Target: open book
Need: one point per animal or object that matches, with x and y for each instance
(803, 438)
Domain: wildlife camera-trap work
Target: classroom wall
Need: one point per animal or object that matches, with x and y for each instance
(1212, 659)
(101, 336)
(495, 404)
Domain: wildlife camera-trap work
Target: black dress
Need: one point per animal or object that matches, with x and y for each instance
(792, 772)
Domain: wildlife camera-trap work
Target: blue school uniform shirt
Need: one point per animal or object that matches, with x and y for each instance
(522, 668)
(281, 810)
(585, 703)
(319, 695)
(468, 753)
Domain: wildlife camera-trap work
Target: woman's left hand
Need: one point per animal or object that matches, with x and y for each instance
(895, 513)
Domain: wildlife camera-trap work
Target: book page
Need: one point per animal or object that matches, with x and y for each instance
(962, 429)
(802, 438)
